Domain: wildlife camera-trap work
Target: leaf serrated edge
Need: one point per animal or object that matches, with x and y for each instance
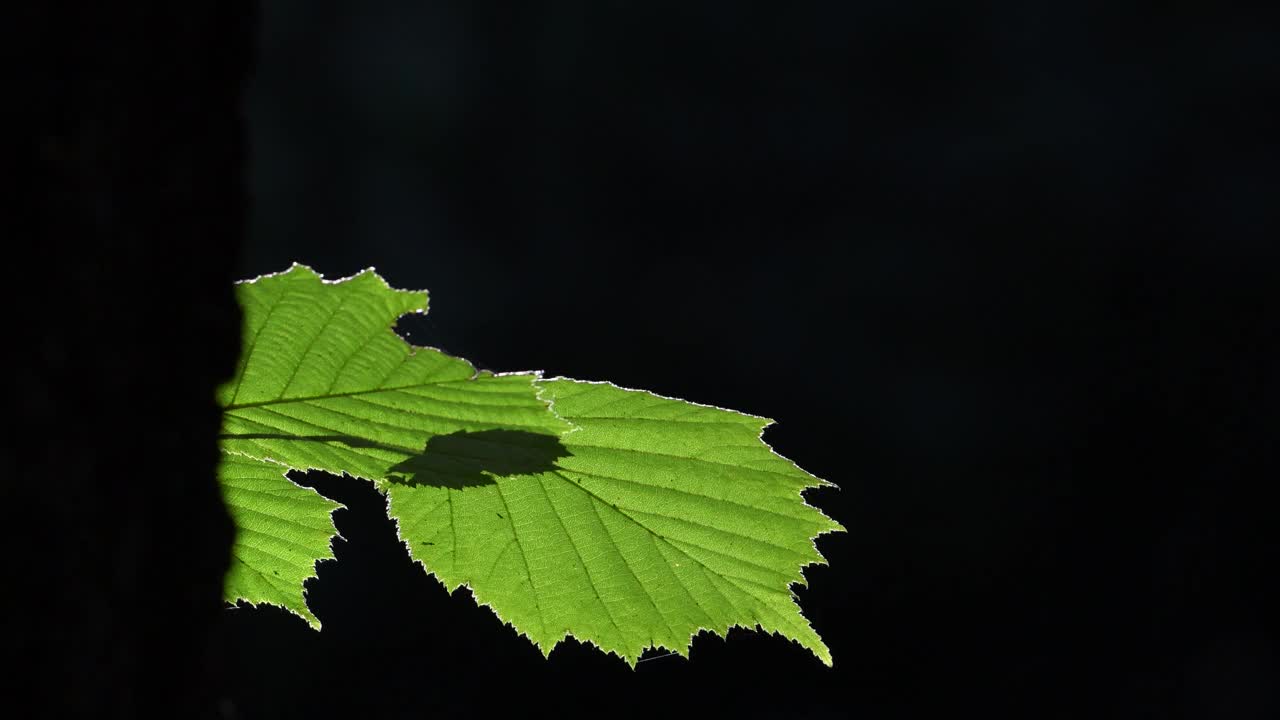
(312, 622)
(767, 423)
(537, 376)
(538, 382)
(835, 527)
(824, 655)
(545, 650)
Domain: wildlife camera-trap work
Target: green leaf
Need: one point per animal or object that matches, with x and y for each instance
(662, 519)
(282, 531)
(622, 518)
(324, 383)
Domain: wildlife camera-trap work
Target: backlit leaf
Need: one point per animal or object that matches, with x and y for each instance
(619, 517)
(661, 519)
(282, 530)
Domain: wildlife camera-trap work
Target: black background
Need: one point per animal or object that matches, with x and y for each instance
(1000, 270)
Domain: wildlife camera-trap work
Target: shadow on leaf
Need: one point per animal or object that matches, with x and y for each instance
(467, 459)
(456, 460)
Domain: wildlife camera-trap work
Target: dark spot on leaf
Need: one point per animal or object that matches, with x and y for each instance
(456, 460)
(473, 458)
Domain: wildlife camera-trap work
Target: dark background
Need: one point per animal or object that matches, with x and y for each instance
(1001, 270)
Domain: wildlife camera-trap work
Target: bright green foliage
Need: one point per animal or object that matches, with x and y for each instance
(616, 516)
(325, 383)
(663, 518)
(281, 531)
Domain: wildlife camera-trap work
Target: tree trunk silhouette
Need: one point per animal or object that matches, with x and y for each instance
(122, 244)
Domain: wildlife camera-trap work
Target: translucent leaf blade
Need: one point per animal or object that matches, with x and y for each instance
(661, 519)
(282, 531)
(325, 383)
(624, 519)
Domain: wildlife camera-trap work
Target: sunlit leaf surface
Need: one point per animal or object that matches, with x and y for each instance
(619, 517)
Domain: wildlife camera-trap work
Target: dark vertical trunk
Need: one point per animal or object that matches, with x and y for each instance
(121, 322)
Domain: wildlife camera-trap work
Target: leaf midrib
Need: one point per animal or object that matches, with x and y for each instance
(330, 396)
